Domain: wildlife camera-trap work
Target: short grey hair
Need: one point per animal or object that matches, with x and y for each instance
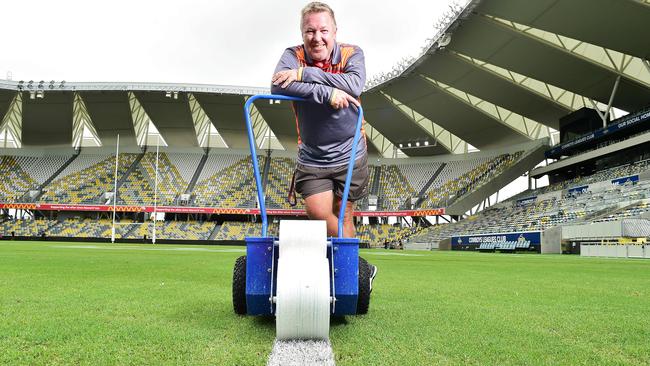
(316, 7)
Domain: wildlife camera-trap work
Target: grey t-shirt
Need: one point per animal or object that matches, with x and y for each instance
(325, 134)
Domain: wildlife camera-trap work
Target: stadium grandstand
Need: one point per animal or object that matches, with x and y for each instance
(540, 94)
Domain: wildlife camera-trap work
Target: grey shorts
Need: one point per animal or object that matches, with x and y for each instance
(311, 180)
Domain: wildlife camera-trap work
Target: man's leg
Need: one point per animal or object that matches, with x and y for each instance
(319, 207)
(349, 231)
(324, 206)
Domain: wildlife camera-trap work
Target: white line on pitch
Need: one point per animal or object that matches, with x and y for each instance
(144, 248)
(301, 352)
(396, 254)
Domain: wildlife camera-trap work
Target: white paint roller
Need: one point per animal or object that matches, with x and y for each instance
(303, 286)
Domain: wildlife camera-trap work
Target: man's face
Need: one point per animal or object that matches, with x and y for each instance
(318, 35)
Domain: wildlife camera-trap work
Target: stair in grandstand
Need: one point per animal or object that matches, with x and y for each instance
(53, 176)
(377, 188)
(428, 184)
(133, 166)
(376, 184)
(214, 232)
(406, 205)
(161, 176)
(433, 178)
(132, 229)
(475, 194)
(52, 226)
(197, 173)
(265, 171)
(150, 178)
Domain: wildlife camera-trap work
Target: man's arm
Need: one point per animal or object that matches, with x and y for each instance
(351, 81)
(317, 93)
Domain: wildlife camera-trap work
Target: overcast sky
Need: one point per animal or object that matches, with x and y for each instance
(196, 41)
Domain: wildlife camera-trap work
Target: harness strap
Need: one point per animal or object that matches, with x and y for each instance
(291, 196)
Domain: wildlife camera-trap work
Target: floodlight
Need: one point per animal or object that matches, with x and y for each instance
(426, 143)
(417, 144)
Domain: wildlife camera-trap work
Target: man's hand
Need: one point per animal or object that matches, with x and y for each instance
(284, 77)
(341, 99)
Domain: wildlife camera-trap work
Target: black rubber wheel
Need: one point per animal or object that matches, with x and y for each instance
(363, 301)
(239, 286)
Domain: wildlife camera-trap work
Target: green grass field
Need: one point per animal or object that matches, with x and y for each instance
(95, 304)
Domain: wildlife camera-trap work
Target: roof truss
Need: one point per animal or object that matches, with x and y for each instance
(451, 142)
(12, 122)
(206, 134)
(624, 65)
(83, 130)
(523, 125)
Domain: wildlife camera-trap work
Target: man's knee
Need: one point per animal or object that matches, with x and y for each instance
(319, 206)
(349, 209)
(317, 213)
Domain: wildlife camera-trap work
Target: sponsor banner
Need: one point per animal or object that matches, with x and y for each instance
(204, 210)
(631, 179)
(526, 201)
(18, 206)
(65, 207)
(430, 212)
(470, 242)
(578, 190)
(284, 212)
(624, 122)
(170, 209)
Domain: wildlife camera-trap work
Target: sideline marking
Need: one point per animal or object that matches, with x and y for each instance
(143, 248)
(396, 254)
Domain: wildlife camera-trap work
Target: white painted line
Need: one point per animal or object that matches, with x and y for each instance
(233, 250)
(301, 352)
(395, 254)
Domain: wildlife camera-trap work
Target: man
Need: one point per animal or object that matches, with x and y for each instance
(331, 76)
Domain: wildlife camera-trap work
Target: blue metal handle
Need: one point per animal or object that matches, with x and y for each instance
(348, 178)
(256, 169)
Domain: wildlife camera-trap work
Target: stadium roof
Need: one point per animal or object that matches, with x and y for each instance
(497, 73)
